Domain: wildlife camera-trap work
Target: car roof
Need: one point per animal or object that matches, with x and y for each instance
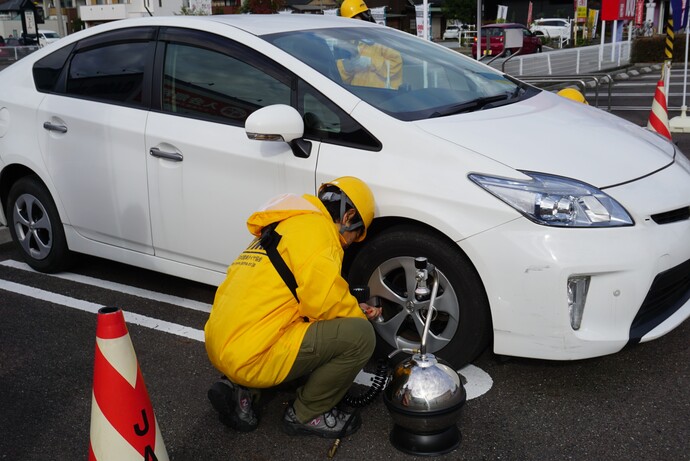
(505, 25)
(256, 24)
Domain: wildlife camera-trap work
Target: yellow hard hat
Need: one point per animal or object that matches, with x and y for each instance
(572, 93)
(359, 195)
(351, 8)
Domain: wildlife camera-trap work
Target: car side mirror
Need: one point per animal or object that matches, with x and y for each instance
(279, 122)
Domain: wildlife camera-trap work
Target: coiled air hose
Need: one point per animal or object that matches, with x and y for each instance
(378, 382)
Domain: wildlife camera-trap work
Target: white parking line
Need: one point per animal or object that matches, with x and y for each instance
(478, 382)
(130, 317)
(147, 294)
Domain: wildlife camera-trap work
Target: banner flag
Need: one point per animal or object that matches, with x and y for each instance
(679, 9)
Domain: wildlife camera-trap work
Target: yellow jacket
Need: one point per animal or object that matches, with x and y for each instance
(256, 326)
(385, 70)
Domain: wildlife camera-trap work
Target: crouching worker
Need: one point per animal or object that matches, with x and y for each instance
(284, 312)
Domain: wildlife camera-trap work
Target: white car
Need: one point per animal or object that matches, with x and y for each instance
(451, 32)
(552, 28)
(150, 141)
(46, 36)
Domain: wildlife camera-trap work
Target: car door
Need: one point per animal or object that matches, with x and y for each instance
(91, 132)
(205, 176)
(529, 42)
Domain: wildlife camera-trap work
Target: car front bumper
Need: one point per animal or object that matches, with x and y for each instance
(639, 277)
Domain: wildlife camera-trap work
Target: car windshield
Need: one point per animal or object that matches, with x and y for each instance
(51, 35)
(414, 79)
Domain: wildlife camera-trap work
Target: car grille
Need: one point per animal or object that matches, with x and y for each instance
(681, 214)
(669, 291)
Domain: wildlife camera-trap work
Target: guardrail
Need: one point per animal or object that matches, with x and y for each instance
(15, 53)
(571, 61)
(466, 37)
(580, 80)
(584, 67)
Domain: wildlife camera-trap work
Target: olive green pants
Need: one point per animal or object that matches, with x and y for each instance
(332, 354)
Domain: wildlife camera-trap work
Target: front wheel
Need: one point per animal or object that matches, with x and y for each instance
(460, 327)
(35, 226)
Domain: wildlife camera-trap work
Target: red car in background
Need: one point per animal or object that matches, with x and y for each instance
(495, 33)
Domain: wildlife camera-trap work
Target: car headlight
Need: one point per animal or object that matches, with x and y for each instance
(556, 201)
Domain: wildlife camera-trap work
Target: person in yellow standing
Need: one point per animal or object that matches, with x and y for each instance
(372, 64)
(273, 321)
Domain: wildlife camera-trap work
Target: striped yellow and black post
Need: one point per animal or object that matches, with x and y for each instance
(669, 39)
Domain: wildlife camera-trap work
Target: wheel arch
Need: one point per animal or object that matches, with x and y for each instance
(474, 332)
(382, 224)
(8, 177)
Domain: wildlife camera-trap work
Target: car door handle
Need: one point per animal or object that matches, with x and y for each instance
(52, 127)
(174, 156)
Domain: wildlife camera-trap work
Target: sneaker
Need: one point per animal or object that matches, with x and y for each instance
(234, 405)
(328, 425)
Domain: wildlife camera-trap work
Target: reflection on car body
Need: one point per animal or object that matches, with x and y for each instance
(128, 141)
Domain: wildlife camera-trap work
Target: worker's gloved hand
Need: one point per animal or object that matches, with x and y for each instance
(357, 64)
(371, 312)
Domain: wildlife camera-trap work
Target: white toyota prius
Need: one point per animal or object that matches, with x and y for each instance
(150, 141)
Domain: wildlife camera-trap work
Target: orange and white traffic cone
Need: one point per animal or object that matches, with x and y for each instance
(658, 118)
(123, 426)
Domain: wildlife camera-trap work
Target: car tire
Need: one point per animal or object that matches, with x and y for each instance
(462, 327)
(36, 227)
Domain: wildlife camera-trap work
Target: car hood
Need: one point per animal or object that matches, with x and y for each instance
(550, 134)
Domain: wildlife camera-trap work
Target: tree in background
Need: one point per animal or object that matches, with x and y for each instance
(464, 11)
(261, 6)
(192, 11)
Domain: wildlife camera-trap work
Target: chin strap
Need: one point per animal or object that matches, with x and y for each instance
(344, 201)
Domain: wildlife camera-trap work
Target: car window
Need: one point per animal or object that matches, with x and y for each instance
(416, 79)
(209, 77)
(47, 70)
(111, 73)
(326, 122)
(208, 84)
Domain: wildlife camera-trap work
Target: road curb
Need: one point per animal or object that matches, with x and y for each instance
(4, 235)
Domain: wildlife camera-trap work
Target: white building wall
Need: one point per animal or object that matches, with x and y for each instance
(92, 13)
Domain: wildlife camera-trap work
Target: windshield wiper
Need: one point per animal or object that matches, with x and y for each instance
(469, 106)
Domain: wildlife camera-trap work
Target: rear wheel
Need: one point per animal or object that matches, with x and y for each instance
(35, 226)
(461, 326)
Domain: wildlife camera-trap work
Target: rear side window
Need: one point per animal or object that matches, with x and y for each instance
(113, 67)
(47, 71)
(111, 73)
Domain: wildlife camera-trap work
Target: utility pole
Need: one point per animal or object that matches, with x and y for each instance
(61, 26)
